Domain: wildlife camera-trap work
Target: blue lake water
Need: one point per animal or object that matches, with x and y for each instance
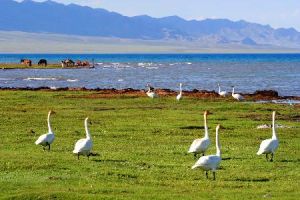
(248, 72)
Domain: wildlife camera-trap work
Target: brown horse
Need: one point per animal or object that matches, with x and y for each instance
(26, 62)
(82, 63)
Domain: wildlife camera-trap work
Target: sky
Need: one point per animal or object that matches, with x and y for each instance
(277, 13)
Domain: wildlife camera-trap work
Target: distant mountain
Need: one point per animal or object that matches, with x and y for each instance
(52, 17)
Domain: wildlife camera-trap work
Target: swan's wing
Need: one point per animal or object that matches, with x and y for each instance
(208, 162)
(199, 145)
(178, 97)
(41, 139)
(152, 94)
(265, 146)
(223, 93)
(83, 145)
(45, 138)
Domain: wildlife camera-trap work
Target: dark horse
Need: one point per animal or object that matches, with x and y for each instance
(42, 62)
(26, 62)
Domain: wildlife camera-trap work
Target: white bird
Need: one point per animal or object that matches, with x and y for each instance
(84, 146)
(222, 93)
(210, 162)
(201, 145)
(151, 93)
(46, 139)
(237, 96)
(179, 96)
(269, 146)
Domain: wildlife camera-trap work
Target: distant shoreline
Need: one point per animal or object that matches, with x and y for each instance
(12, 66)
(259, 95)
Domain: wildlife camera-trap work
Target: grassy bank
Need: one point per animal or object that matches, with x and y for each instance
(141, 146)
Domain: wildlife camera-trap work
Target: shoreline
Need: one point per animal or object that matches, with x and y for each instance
(259, 95)
(11, 66)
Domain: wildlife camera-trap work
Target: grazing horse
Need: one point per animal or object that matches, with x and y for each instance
(80, 63)
(67, 63)
(26, 62)
(85, 64)
(42, 62)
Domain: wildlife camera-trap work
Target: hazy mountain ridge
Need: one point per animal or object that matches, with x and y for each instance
(52, 17)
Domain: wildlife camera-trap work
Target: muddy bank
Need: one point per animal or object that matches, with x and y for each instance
(201, 94)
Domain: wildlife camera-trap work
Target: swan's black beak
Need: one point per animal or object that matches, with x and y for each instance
(53, 112)
(90, 122)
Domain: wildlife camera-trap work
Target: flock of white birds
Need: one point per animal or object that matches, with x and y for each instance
(82, 146)
(152, 94)
(199, 146)
(212, 162)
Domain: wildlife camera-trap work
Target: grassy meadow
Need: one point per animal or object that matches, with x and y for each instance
(141, 148)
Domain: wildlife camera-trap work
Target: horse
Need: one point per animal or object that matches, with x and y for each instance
(67, 63)
(42, 62)
(26, 62)
(80, 63)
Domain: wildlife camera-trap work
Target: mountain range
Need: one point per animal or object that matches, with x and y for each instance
(55, 18)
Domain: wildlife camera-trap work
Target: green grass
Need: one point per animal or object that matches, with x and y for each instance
(34, 66)
(141, 146)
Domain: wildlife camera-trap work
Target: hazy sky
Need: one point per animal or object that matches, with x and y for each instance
(277, 13)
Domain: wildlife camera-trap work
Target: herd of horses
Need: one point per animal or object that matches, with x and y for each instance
(64, 63)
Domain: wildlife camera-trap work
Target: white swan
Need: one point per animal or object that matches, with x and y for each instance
(237, 96)
(84, 146)
(210, 162)
(179, 96)
(46, 139)
(222, 93)
(269, 146)
(151, 93)
(201, 145)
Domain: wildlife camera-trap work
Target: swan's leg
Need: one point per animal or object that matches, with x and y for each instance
(48, 147)
(267, 157)
(88, 156)
(78, 156)
(272, 155)
(214, 173)
(206, 173)
(44, 148)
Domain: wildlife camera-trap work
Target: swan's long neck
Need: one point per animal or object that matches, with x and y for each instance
(49, 125)
(219, 89)
(180, 89)
(233, 91)
(274, 136)
(205, 126)
(88, 135)
(218, 146)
